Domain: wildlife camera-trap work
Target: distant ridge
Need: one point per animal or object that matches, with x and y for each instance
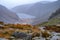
(40, 10)
(7, 16)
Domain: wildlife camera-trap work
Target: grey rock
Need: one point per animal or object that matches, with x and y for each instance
(22, 35)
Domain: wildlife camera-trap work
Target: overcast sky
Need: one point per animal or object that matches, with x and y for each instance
(13, 3)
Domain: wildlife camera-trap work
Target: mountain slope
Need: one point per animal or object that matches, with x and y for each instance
(43, 9)
(37, 8)
(7, 15)
(54, 19)
(40, 10)
(56, 14)
(22, 8)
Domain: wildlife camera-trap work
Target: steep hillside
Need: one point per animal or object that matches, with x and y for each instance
(54, 19)
(56, 14)
(7, 15)
(22, 8)
(43, 9)
(40, 10)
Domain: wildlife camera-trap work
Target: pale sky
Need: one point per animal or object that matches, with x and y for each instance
(12, 3)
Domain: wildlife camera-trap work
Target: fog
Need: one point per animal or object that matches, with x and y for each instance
(12, 3)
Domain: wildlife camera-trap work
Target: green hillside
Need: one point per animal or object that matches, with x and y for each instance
(53, 20)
